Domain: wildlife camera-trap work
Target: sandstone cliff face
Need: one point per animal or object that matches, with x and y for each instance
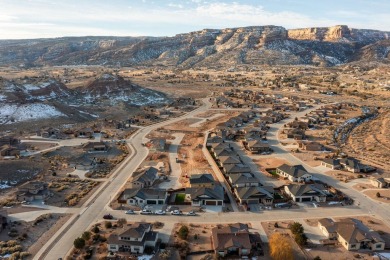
(271, 45)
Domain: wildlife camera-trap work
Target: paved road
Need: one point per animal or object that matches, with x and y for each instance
(93, 210)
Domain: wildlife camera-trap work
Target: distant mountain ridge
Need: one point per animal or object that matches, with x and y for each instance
(272, 45)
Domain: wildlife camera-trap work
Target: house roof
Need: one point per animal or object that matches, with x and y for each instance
(145, 194)
(215, 193)
(91, 145)
(351, 230)
(148, 175)
(136, 230)
(229, 159)
(225, 152)
(231, 236)
(249, 192)
(351, 162)
(201, 178)
(236, 168)
(243, 178)
(295, 170)
(331, 161)
(257, 144)
(306, 189)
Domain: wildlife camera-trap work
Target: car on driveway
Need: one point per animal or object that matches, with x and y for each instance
(177, 212)
(191, 213)
(146, 212)
(130, 211)
(160, 212)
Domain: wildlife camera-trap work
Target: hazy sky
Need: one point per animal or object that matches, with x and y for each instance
(54, 18)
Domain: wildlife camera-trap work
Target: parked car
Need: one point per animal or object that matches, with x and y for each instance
(108, 216)
(146, 212)
(130, 211)
(177, 212)
(160, 212)
(191, 213)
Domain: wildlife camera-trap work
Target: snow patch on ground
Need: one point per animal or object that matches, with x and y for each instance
(26, 112)
(4, 186)
(2, 97)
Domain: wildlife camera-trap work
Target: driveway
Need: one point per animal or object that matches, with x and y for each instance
(174, 177)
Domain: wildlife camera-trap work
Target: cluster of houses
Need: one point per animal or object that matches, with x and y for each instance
(243, 183)
(348, 164)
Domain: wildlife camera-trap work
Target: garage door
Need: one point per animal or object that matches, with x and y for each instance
(211, 203)
(306, 199)
(253, 202)
(151, 202)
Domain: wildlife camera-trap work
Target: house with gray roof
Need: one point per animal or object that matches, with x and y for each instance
(143, 196)
(133, 238)
(202, 180)
(205, 196)
(306, 192)
(255, 195)
(295, 173)
(333, 164)
(243, 180)
(145, 179)
(352, 234)
(236, 168)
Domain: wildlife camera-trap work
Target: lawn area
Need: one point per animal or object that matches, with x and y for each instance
(180, 198)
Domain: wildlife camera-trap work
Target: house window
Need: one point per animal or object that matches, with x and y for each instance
(113, 247)
(131, 201)
(378, 246)
(353, 246)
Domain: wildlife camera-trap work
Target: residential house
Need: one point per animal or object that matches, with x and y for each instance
(133, 238)
(145, 179)
(158, 144)
(141, 196)
(224, 152)
(380, 182)
(236, 168)
(243, 180)
(257, 146)
(84, 132)
(205, 196)
(295, 173)
(33, 190)
(54, 133)
(232, 239)
(351, 164)
(214, 140)
(351, 234)
(333, 164)
(306, 192)
(95, 147)
(311, 146)
(255, 195)
(225, 160)
(9, 140)
(297, 134)
(205, 180)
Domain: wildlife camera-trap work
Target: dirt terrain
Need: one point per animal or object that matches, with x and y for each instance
(370, 142)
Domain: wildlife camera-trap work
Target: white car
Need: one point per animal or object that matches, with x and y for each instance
(160, 212)
(129, 211)
(176, 212)
(191, 213)
(146, 212)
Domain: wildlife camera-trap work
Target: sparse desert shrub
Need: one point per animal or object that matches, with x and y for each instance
(108, 224)
(183, 232)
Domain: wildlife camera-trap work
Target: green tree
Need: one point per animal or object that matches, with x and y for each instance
(378, 195)
(121, 222)
(301, 239)
(86, 236)
(317, 258)
(79, 243)
(108, 224)
(296, 228)
(183, 232)
(95, 229)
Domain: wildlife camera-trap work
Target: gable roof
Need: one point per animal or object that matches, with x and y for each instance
(236, 168)
(215, 193)
(229, 159)
(225, 152)
(248, 192)
(145, 194)
(351, 162)
(136, 230)
(236, 235)
(148, 175)
(201, 178)
(334, 162)
(243, 178)
(307, 189)
(295, 170)
(257, 144)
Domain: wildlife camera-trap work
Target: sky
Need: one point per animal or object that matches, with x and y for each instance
(26, 19)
